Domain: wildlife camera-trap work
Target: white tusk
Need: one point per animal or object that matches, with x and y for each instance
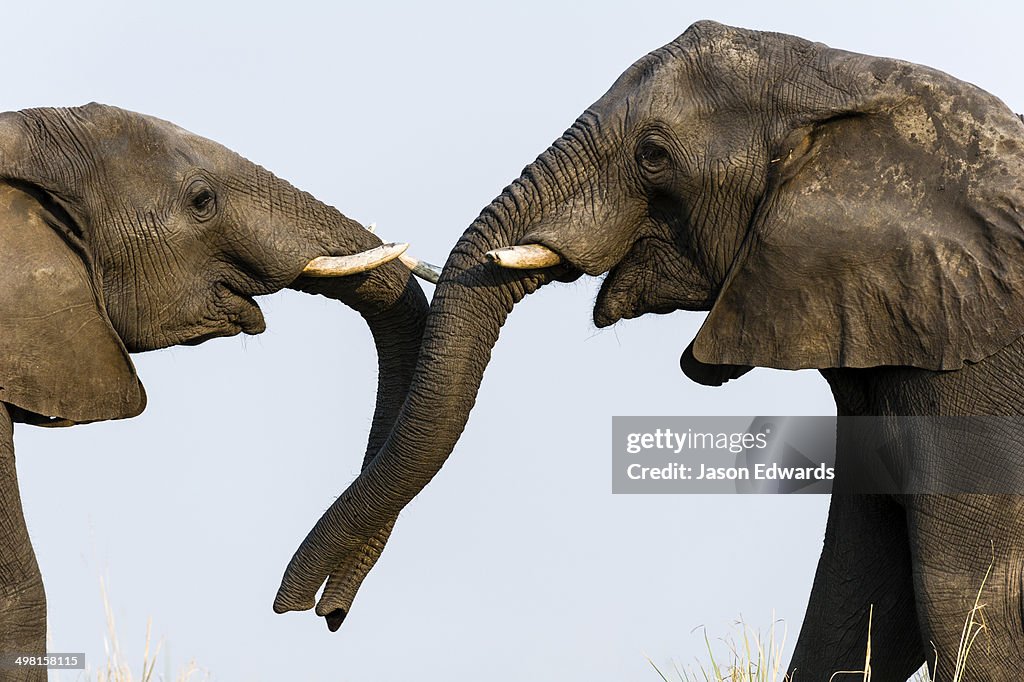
(422, 269)
(340, 266)
(524, 257)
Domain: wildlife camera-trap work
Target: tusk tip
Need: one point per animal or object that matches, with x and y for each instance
(422, 269)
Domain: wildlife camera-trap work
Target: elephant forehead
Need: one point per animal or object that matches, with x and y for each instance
(152, 144)
(652, 83)
(666, 87)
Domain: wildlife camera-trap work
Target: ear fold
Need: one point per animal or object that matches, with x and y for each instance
(891, 232)
(59, 355)
(709, 374)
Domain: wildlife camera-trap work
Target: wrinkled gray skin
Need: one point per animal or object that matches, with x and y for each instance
(836, 211)
(120, 232)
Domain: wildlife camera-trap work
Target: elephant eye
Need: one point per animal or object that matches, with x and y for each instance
(652, 157)
(202, 201)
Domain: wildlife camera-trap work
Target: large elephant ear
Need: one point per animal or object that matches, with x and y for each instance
(891, 231)
(60, 360)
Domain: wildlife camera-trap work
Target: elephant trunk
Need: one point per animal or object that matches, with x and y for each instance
(396, 318)
(472, 300)
(387, 297)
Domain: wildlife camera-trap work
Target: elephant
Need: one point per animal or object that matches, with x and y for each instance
(857, 215)
(121, 233)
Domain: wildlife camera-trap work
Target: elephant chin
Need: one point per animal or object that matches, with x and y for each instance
(248, 316)
(613, 303)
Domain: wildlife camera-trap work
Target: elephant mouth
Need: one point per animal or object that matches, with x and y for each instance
(648, 280)
(236, 313)
(621, 296)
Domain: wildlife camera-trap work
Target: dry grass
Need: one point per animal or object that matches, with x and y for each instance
(973, 627)
(752, 657)
(117, 668)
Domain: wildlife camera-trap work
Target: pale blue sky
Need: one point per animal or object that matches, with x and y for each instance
(516, 563)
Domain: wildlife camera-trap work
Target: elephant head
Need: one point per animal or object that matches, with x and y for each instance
(829, 209)
(121, 232)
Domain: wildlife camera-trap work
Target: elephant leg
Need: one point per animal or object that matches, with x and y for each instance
(865, 563)
(22, 601)
(956, 541)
